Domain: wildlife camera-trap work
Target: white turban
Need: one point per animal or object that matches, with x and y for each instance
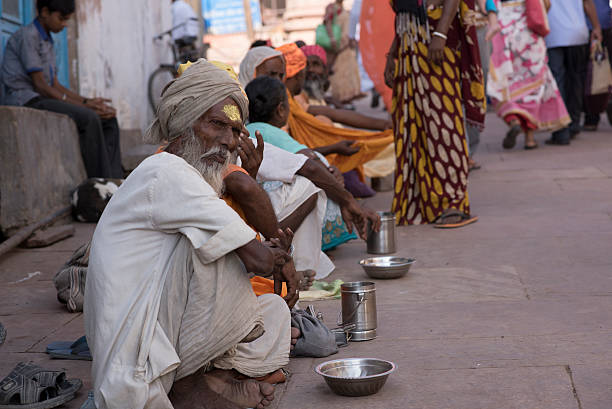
(188, 97)
(253, 59)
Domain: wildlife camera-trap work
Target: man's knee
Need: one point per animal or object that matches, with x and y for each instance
(86, 117)
(274, 304)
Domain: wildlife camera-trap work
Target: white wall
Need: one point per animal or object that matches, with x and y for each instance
(116, 53)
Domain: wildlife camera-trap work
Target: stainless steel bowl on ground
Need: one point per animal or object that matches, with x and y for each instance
(355, 376)
(386, 267)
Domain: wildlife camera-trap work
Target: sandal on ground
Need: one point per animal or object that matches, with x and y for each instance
(29, 386)
(531, 147)
(510, 139)
(2, 334)
(473, 165)
(465, 219)
(589, 128)
(89, 403)
(70, 350)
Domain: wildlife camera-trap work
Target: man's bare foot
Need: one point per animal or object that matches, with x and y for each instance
(246, 394)
(275, 377)
(308, 277)
(295, 334)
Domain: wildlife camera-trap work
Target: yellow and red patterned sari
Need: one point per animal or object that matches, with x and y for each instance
(428, 114)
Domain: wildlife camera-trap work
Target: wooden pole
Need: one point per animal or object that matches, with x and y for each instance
(25, 232)
(248, 16)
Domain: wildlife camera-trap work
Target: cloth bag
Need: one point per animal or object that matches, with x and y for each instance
(70, 279)
(322, 36)
(537, 16)
(599, 80)
(316, 341)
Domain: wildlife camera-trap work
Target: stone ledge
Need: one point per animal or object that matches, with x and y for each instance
(40, 163)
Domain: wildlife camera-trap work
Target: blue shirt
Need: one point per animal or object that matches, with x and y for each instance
(604, 13)
(275, 136)
(30, 49)
(567, 24)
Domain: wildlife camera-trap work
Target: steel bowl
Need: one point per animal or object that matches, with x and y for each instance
(386, 267)
(355, 376)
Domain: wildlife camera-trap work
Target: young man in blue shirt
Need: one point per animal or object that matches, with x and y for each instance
(29, 78)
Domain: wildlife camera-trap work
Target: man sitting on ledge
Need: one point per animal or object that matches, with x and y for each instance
(29, 78)
(170, 315)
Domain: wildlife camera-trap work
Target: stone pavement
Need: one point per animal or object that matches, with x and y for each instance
(513, 312)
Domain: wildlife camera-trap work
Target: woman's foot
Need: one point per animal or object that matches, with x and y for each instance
(473, 165)
(308, 277)
(453, 218)
(513, 132)
(530, 142)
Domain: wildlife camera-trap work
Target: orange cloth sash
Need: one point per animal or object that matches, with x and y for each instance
(260, 285)
(307, 130)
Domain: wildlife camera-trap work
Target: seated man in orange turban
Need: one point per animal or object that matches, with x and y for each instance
(296, 62)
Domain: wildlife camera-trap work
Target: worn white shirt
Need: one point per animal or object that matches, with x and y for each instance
(162, 201)
(183, 13)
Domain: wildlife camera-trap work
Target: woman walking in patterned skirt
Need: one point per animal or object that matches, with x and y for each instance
(521, 85)
(433, 67)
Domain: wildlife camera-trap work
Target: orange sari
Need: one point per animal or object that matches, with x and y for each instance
(307, 130)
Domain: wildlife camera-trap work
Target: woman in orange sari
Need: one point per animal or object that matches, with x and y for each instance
(434, 69)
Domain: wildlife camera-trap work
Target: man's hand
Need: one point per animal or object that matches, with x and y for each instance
(596, 35)
(390, 71)
(436, 50)
(102, 107)
(250, 155)
(287, 274)
(346, 148)
(283, 240)
(336, 174)
(354, 215)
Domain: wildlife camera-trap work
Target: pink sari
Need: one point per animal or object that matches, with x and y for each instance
(520, 81)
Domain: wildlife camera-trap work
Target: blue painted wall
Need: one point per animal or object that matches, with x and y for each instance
(17, 13)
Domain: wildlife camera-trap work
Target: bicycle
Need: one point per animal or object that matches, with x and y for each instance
(167, 72)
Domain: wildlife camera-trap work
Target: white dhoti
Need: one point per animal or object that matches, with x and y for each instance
(207, 312)
(286, 198)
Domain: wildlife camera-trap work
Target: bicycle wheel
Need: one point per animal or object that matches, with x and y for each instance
(157, 81)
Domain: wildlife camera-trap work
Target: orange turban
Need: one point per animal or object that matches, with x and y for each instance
(294, 58)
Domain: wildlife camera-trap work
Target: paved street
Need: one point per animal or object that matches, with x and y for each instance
(513, 312)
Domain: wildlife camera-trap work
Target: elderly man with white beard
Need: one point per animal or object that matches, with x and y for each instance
(170, 315)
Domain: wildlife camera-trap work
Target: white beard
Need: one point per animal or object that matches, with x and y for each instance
(211, 170)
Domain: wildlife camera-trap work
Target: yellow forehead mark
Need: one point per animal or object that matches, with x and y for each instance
(232, 112)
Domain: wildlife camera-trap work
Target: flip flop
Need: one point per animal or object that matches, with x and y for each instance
(531, 147)
(89, 403)
(78, 350)
(465, 220)
(510, 139)
(29, 386)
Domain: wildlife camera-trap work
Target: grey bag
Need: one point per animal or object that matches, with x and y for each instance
(316, 341)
